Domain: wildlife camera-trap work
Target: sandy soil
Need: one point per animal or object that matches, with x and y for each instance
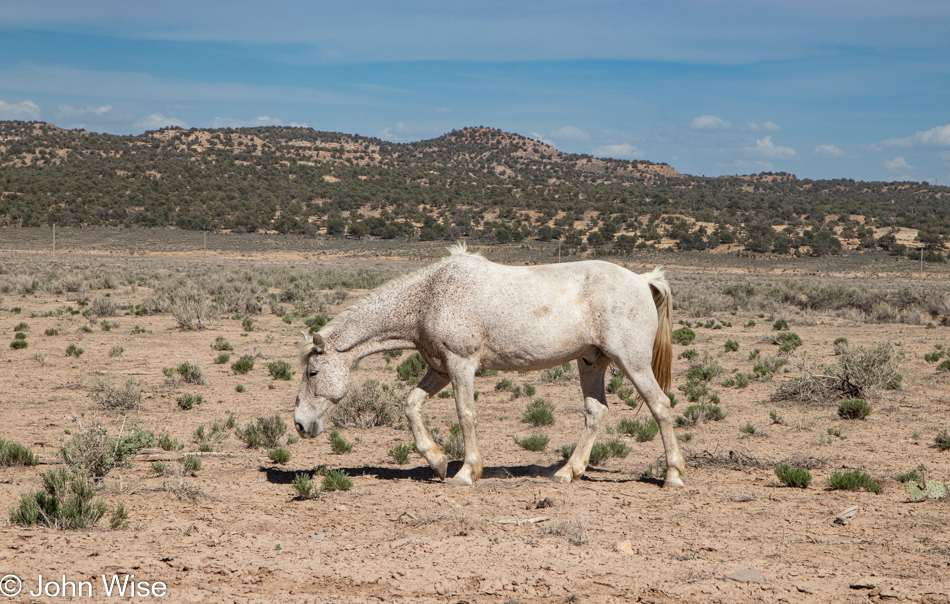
(233, 532)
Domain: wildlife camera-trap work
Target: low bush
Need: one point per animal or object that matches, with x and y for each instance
(336, 480)
(412, 368)
(187, 400)
(854, 480)
(191, 373)
(243, 365)
(338, 444)
(190, 463)
(684, 336)
(538, 441)
(617, 448)
(689, 353)
(221, 344)
(699, 413)
(279, 455)
(942, 440)
(731, 346)
(265, 432)
(280, 370)
(454, 447)
(167, 443)
(73, 350)
(15, 454)
(918, 474)
(788, 341)
(400, 453)
(857, 408)
(539, 412)
(304, 487)
(222, 358)
(642, 430)
(66, 501)
(792, 476)
(568, 450)
(616, 382)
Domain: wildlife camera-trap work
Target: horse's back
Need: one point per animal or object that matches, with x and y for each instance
(528, 317)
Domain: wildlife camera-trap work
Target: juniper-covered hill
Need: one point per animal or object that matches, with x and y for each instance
(478, 183)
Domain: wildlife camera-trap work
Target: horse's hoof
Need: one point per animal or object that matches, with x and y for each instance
(562, 478)
(673, 483)
(442, 467)
(459, 482)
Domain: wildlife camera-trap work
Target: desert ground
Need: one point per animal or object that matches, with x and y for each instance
(235, 531)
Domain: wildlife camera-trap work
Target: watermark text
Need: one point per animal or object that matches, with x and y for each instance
(118, 585)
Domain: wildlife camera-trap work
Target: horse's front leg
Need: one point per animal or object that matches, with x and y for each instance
(430, 384)
(462, 372)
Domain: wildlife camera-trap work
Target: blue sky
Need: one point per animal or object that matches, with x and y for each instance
(822, 89)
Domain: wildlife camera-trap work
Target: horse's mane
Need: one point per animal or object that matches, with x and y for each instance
(458, 249)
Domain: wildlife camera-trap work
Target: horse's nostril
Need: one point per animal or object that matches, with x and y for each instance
(299, 427)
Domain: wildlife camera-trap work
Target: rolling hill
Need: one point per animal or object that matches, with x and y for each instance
(479, 183)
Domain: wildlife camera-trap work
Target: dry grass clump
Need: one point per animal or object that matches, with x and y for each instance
(94, 452)
(861, 373)
(575, 529)
(371, 404)
(118, 398)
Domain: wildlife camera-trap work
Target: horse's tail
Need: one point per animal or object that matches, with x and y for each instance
(663, 344)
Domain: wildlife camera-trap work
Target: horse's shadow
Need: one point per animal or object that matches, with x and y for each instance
(426, 474)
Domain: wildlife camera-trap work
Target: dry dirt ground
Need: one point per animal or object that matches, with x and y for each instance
(233, 531)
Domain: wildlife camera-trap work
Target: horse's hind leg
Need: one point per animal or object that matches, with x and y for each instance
(595, 410)
(462, 370)
(659, 405)
(430, 384)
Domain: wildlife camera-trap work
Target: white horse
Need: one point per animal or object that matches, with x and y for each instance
(466, 313)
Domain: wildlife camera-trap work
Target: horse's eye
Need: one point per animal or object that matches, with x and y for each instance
(313, 372)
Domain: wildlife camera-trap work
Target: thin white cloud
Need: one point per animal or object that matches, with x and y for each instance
(402, 132)
(229, 122)
(619, 151)
(571, 133)
(25, 110)
(764, 147)
(709, 123)
(65, 111)
(829, 152)
(767, 126)
(898, 164)
(712, 123)
(935, 137)
(156, 121)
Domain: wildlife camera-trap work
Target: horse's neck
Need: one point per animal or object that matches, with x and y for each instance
(381, 323)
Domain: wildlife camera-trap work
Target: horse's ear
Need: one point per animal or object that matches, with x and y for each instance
(318, 344)
(306, 336)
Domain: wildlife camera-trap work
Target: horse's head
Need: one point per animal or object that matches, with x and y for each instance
(326, 378)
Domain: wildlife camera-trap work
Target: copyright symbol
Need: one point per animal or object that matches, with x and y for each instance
(10, 585)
